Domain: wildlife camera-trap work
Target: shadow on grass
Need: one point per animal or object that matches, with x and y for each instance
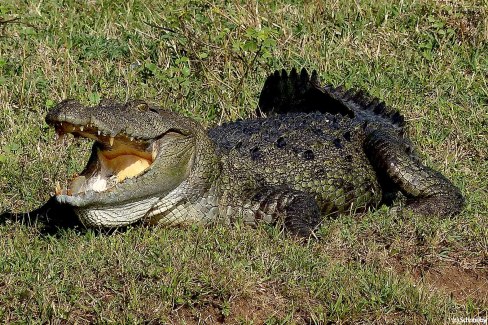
(51, 218)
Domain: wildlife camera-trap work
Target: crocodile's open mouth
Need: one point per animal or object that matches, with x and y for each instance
(113, 159)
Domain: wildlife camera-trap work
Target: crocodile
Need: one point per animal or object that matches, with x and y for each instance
(312, 152)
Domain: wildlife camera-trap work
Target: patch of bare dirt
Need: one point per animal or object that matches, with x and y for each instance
(264, 305)
(459, 283)
(460, 280)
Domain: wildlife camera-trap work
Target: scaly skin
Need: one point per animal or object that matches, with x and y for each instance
(320, 152)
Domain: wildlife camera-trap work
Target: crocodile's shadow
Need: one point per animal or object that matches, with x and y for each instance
(51, 218)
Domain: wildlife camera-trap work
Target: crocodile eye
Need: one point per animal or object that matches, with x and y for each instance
(139, 105)
(142, 107)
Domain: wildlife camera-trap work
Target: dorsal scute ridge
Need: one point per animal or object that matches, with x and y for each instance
(285, 92)
(361, 100)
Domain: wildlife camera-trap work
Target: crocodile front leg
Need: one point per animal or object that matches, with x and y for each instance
(428, 192)
(297, 211)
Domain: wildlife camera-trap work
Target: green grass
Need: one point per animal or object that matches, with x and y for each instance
(209, 60)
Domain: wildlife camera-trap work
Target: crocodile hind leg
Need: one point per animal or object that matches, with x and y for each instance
(427, 191)
(297, 211)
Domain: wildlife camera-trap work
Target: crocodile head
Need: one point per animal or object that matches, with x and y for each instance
(140, 154)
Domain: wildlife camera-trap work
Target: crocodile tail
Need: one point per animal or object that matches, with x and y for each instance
(287, 93)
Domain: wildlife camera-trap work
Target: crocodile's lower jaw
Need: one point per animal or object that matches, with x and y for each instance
(115, 215)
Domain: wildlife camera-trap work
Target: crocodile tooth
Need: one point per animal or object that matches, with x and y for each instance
(82, 128)
(111, 140)
(131, 138)
(99, 132)
(59, 137)
(57, 188)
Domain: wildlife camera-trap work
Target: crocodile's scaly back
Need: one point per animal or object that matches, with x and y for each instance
(318, 154)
